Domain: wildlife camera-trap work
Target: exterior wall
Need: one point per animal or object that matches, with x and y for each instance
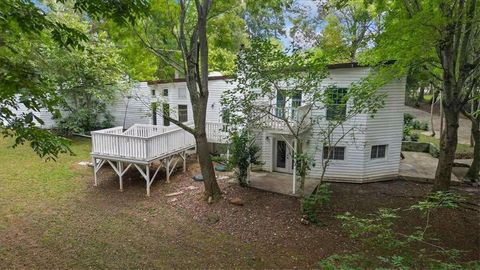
(132, 107)
(385, 128)
(43, 114)
(214, 110)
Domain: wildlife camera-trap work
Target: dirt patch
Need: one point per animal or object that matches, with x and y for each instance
(271, 222)
(101, 227)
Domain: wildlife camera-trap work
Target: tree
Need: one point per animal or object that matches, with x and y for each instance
(279, 88)
(472, 112)
(266, 19)
(177, 33)
(341, 29)
(27, 35)
(444, 35)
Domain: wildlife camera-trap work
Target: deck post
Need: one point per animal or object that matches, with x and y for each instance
(95, 181)
(184, 157)
(294, 180)
(148, 179)
(120, 175)
(167, 163)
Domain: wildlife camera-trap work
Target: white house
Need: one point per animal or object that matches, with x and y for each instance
(372, 155)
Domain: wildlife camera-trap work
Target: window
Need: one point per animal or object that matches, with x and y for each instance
(280, 105)
(153, 92)
(378, 151)
(336, 103)
(182, 113)
(337, 153)
(165, 92)
(166, 113)
(225, 119)
(296, 102)
(182, 93)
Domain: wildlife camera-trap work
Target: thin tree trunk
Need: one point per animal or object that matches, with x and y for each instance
(421, 96)
(474, 169)
(448, 147)
(442, 116)
(431, 114)
(212, 190)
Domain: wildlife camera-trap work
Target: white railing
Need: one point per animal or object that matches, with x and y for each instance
(142, 142)
(298, 118)
(217, 132)
(147, 142)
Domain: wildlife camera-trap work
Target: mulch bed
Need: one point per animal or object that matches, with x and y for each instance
(272, 221)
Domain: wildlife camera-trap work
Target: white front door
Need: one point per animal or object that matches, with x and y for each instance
(283, 156)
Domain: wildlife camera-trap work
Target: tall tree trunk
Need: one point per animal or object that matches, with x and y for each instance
(431, 114)
(212, 190)
(421, 96)
(448, 147)
(474, 170)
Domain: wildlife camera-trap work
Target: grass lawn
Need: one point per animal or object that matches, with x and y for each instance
(51, 217)
(462, 149)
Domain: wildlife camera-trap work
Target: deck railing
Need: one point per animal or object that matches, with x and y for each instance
(147, 142)
(298, 118)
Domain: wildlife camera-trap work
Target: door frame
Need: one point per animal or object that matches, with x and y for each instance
(288, 156)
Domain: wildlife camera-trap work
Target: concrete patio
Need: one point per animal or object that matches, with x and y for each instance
(419, 167)
(415, 167)
(279, 182)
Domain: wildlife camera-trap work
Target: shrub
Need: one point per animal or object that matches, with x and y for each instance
(244, 152)
(82, 121)
(385, 248)
(407, 118)
(311, 202)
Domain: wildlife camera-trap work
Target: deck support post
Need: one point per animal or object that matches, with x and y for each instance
(96, 167)
(120, 175)
(170, 165)
(95, 181)
(294, 180)
(148, 179)
(183, 155)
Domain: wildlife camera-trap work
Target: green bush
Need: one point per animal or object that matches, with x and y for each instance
(312, 201)
(407, 118)
(83, 121)
(386, 248)
(243, 153)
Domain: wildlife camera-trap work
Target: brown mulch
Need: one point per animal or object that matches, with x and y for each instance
(272, 221)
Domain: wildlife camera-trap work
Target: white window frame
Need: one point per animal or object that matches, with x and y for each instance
(332, 159)
(378, 158)
(182, 93)
(178, 111)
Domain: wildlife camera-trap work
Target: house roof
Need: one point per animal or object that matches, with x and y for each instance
(216, 77)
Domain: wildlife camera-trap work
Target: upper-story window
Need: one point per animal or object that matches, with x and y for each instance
(182, 93)
(378, 151)
(280, 104)
(336, 103)
(334, 153)
(153, 92)
(183, 113)
(165, 92)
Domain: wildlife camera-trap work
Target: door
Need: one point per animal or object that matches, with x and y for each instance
(283, 158)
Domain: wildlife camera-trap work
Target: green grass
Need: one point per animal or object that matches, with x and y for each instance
(427, 98)
(28, 181)
(52, 218)
(462, 149)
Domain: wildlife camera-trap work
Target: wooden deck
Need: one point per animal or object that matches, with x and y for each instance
(141, 145)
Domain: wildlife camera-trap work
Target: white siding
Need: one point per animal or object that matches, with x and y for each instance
(132, 107)
(386, 128)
